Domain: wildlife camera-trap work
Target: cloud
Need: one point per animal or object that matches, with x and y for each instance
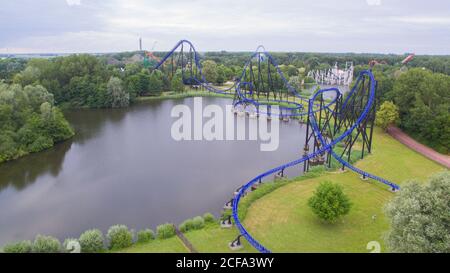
(73, 2)
(423, 20)
(288, 25)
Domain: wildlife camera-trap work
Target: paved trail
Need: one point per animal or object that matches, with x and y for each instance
(418, 147)
(184, 240)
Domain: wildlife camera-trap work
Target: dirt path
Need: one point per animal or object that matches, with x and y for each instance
(185, 241)
(420, 148)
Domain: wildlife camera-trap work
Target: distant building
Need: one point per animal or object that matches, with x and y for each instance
(334, 76)
(113, 61)
(136, 58)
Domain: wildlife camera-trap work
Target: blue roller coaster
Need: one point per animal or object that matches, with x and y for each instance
(333, 125)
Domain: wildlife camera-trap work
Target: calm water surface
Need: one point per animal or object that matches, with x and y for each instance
(123, 167)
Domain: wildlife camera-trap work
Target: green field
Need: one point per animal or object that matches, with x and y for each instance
(282, 221)
(171, 245)
(179, 95)
(213, 238)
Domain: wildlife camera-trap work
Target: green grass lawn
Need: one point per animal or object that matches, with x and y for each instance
(282, 221)
(179, 95)
(214, 239)
(171, 245)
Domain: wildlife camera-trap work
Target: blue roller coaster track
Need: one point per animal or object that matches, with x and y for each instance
(360, 115)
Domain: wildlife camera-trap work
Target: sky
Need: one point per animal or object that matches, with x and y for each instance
(94, 26)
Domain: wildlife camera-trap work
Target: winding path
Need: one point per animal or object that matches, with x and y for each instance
(411, 143)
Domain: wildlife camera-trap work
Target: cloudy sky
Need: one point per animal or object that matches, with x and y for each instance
(386, 26)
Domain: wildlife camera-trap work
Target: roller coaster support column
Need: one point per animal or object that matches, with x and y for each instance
(226, 223)
(236, 244)
(306, 148)
(229, 204)
(373, 120)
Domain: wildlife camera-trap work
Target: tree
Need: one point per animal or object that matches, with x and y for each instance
(28, 76)
(29, 122)
(292, 71)
(37, 95)
(10, 67)
(420, 217)
(313, 63)
(387, 115)
(385, 85)
(296, 82)
(329, 202)
(210, 71)
(309, 80)
(138, 84)
(221, 76)
(423, 103)
(117, 95)
(156, 83)
(177, 82)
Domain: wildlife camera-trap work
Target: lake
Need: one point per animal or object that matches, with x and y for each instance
(123, 167)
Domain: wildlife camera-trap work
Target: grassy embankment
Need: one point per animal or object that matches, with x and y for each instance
(278, 215)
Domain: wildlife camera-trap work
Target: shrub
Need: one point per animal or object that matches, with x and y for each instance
(387, 115)
(183, 227)
(187, 225)
(209, 218)
(198, 222)
(91, 241)
(145, 236)
(41, 143)
(419, 217)
(46, 244)
(18, 247)
(329, 202)
(165, 231)
(119, 237)
(69, 248)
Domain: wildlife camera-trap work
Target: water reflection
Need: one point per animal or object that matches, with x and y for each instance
(32, 166)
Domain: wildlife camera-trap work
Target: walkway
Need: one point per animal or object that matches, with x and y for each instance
(420, 148)
(184, 240)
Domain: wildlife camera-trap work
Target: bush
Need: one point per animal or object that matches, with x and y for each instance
(165, 231)
(41, 143)
(145, 236)
(198, 222)
(119, 237)
(419, 217)
(329, 202)
(46, 244)
(387, 115)
(18, 247)
(91, 241)
(187, 225)
(209, 218)
(67, 248)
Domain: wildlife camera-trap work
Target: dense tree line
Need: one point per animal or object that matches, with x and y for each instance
(423, 99)
(10, 67)
(312, 61)
(29, 121)
(83, 81)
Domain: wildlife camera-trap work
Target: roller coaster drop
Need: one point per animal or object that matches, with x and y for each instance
(333, 126)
